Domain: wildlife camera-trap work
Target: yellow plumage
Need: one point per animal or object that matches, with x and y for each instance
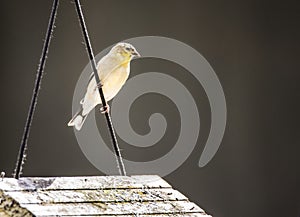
(113, 70)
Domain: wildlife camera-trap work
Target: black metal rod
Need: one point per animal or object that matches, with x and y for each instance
(119, 159)
(34, 98)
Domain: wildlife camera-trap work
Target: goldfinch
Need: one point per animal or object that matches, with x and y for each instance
(113, 70)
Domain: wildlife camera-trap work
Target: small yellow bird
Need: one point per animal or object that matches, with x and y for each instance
(113, 70)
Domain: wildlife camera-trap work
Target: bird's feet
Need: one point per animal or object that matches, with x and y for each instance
(104, 109)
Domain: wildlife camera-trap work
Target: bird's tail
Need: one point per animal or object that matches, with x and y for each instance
(78, 119)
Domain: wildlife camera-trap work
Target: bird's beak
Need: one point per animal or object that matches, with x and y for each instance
(136, 54)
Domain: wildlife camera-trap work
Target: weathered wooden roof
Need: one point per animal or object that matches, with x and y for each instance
(142, 196)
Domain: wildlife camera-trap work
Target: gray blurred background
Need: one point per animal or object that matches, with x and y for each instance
(253, 47)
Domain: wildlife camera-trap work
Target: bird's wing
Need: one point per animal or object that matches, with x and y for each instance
(105, 65)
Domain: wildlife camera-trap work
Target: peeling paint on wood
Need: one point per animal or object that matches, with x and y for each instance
(91, 182)
(113, 208)
(111, 195)
(120, 196)
(155, 215)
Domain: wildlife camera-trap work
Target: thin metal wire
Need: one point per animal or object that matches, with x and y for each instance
(34, 98)
(119, 159)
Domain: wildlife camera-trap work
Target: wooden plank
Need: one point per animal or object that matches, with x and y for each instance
(90, 182)
(125, 208)
(11, 207)
(119, 196)
(108, 195)
(3, 213)
(151, 215)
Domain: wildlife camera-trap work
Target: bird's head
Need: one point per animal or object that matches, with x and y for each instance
(125, 51)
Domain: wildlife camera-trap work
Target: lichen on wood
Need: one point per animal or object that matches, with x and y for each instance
(125, 196)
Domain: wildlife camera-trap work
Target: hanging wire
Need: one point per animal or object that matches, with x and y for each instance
(119, 159)
(34, 98)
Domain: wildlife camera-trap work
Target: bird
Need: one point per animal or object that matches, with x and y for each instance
(113, 70)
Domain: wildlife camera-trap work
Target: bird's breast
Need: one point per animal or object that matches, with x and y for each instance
(115, 80)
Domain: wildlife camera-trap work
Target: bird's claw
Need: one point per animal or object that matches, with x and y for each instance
(104, 109)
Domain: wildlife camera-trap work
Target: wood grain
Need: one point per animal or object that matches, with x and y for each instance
(119, 196)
